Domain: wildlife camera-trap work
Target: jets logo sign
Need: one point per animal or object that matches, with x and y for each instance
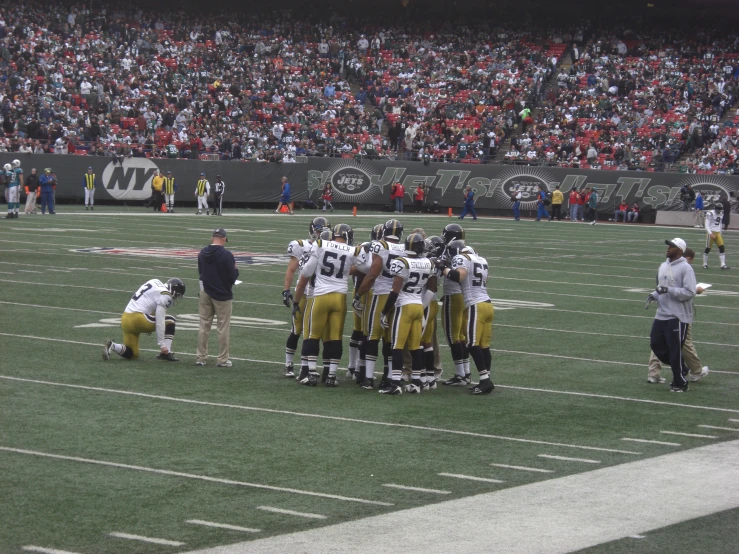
(129, 179)
(242, 258)
(350, 181)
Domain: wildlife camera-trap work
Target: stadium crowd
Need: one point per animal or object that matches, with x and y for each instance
(97, 79)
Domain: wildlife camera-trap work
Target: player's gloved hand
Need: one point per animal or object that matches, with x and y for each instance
(652, 297)
(367, 246)
(296, 309)
(384, 321)
(287, 298)
(358, 305)
(442, 264)
(661, 289)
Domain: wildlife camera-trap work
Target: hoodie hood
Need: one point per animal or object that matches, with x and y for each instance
(211, 253)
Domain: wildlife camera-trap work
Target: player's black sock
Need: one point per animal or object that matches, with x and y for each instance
(479, 359)
(488, 358)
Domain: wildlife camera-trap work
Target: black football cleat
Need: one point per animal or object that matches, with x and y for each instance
(485, 386)
(289, 372)
(168, 357)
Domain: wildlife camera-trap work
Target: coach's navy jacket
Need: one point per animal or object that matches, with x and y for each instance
(217, 269)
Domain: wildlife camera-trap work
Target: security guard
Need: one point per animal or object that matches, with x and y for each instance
(89, 185)
(170, 186)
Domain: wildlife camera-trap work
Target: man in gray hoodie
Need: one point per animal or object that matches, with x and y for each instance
(674, 294)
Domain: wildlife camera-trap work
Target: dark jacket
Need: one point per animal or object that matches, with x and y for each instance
(217, 269)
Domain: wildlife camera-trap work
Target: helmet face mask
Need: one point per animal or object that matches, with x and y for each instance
(342, 230)
(435, 247)
(454, 248)
(393, 229)
(415, 243)
(176, 287)
(317, 225)
(451, 232)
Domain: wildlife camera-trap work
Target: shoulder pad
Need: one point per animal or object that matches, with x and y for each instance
(384, 244)
(318, 243)
(300, 242)
(467, 256)
(166, 293)
(405, 262)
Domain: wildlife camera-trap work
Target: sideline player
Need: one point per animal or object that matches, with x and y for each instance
(410, 276)
(471, 272)
(146, 312)
(452, 318)
(14, 175)
(435, 248)
(296, 249)
(328, 268)
(714, 225)
(202, 190)
(169, 187)
(379, 281)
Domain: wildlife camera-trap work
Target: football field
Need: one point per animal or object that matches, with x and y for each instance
(573, 451)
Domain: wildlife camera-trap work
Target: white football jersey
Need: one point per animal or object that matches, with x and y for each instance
(388, 251)
(714, 221)
(329, 265)
(151, 294)
(305, 256)
(474, 286)
(415, 273)
(297, 248)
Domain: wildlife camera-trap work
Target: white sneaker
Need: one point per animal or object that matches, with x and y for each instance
(413, 389)
(656, 380)
(201, 364)
(693, 378)
(227, 363)
(592, 222)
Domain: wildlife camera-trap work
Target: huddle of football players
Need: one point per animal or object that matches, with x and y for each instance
(395, 288)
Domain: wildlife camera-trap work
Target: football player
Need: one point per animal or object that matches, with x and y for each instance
(453, 314)
(328, 270)
(403, 311)
(146, 312)
(296, 249)
(379, 281)
(471, 272)
(14, 178)
(435, 248)
(358, 340)
(714, 224)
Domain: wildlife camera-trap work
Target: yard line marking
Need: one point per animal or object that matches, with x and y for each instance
(222, 526)
(719, 428)
(7, 272)
(646, 441)
(58, 308)
(514, 387)
(291, 512)
(192, 476)
(417, 489)
(566, 459)
(734, 420)
(320, 416)
(637, 537)
(152, 540)
(631, 316)
(471, 478)
(42, 550)
(524, 468)
(679, 434)
(29, 271)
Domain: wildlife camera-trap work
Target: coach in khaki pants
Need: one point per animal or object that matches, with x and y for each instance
(218, 273)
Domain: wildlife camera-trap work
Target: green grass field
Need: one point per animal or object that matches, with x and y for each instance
(89, 448)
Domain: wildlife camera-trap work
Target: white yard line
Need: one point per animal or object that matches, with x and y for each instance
(58, 308)
(734, 420)
(637, 537)
(223, 526)
(319, 416)
(29, 271)
(647, 441)
(416, 489)
(291, 512)
(693, 435)
(42, 550)
(552, 516)
(719, 428)
(192, 476)
(533, 389)
(471, 478)
(524, 468)
(567, 459)
(153, 540)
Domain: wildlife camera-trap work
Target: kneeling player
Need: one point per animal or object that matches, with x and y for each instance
(410, 275)
(146, 312)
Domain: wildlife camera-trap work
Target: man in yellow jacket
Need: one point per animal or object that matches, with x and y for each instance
(557, 199)
(156, 191)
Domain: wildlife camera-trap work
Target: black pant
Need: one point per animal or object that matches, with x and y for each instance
(217, 203)
(666, 339)
(557, 211)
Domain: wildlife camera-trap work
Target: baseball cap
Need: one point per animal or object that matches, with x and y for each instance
(169, 173)
(679, 243)
(222, 234)
(202, 174)
(89, 167)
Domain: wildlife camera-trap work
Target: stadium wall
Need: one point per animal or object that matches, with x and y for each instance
(368, 182)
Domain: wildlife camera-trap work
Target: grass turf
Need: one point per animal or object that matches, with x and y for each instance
(574, 298)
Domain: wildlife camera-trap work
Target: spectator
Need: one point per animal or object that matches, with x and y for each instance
(574, 200)
(557, 199)
(622, 210)
(31, 192)
(418, 199)
(633, 215)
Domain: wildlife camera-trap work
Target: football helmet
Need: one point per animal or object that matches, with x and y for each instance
(393, 229)
(718, 206)
(376, 233)
(16, 163)
(8, 167)
(435, 247)
(342, 230)
(317, 225)
(415, 243)
(176, 287)
(468, 250)
(454, 248)
(326, 234)
(451, 232)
